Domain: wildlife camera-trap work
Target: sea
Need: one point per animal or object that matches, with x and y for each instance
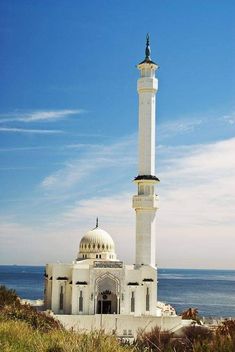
(212, 292)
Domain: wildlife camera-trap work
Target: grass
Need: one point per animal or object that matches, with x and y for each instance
(23, 329)
(18, 336)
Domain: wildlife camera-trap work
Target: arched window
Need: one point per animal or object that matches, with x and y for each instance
(103, 246)
(61, 298)
(80, 302)
(141, 189)
(97, 256)
(94, 246)
(98, 246)
(147, 299)
(132, 301)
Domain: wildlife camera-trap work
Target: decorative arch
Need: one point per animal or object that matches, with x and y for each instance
(107, 292)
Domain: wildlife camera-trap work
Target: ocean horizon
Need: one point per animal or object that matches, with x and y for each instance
(212, 292)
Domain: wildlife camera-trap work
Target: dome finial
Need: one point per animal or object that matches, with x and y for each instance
(97, 222)
(147, 49)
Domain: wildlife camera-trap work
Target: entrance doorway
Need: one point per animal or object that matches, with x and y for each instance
(106, 303)
(107, 294)
(104, 307)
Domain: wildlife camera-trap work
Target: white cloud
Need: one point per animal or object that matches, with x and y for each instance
(19, 168)
(49, 147)
(110, 158)
(180, 126)
(115, 215)
(23, 149)
(112, 210)
(14, 239)
(189, 125)
(195, 222)
(35, 116)
(230, 119)
(25, 244)
(198, 186)
(30, 131)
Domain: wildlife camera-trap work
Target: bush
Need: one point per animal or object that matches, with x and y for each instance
(227, 328)
(12, 309)
(28, 314)
(8, 297)
(197, 333)
(23, 328)
(155, 340)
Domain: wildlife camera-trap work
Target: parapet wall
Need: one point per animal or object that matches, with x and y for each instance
(122, 325)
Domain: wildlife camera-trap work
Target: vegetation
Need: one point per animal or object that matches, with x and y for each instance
(23, 329)
(155, 340)
(7, 297)
(190, 313)
(11, 308)
(20, 337)
(194, 339)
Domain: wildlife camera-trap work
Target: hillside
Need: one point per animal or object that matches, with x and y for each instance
(23, 329)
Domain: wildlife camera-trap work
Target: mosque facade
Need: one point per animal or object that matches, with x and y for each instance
(97, 282)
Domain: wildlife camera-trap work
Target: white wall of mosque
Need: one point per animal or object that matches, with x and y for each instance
(93, 287)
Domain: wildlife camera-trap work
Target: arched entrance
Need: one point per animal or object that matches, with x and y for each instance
(106, 303)
(107, 294)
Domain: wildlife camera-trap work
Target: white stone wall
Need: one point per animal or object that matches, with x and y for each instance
(83, 277)
(122, 325)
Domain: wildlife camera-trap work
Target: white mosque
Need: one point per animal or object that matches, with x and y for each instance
(98, 289)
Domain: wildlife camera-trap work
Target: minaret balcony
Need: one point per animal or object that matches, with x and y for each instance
(147, 84)
(145, 202)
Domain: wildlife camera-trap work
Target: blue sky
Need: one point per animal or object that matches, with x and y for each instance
(68, 127)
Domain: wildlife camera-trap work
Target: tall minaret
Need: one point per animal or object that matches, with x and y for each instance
(145, 203)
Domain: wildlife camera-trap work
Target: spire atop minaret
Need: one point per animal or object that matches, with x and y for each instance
(147, 49)
(147, 59)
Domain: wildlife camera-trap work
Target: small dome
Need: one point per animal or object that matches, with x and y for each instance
(97, 244)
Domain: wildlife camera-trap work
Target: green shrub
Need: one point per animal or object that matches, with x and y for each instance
(154, 340)
(8, 297)
(197, 333)
(28, 314)
(227, 328)
(12, 309)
